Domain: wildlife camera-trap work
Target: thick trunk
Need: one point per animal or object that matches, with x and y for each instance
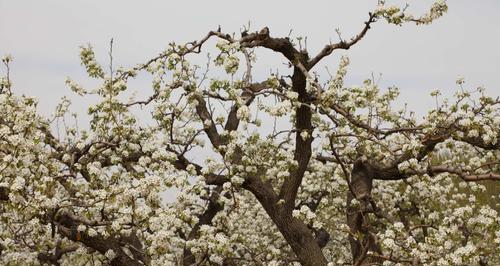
(302, 241)
(357, 215)
(300, 238)
(302, 152)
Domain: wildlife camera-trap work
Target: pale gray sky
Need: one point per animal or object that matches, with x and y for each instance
(44, 36)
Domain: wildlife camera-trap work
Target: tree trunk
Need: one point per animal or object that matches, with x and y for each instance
(300, 238)
(302, 241)
(357, 215)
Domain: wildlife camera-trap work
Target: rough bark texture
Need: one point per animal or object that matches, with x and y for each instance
(301, 240)
(302, 146)
(4, 194)
(299, 237)
(357, 215)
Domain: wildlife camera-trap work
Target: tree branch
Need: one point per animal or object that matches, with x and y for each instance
(67, 226)
(465, 176)
(205, 218)
(328, 49)
(303, 151)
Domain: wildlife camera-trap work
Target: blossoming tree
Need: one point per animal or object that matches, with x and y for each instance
(286, 170)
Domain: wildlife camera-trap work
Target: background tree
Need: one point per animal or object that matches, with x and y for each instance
(284, 170)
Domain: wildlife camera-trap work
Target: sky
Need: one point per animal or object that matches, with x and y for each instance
(43, 38)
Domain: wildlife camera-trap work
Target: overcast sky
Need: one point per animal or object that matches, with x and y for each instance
(44, 36)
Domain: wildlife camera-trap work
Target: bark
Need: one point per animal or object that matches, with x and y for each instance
(4, 194)
(300, 238)
(205, 218)
(357, 215)
(68, 228)
(302, 146)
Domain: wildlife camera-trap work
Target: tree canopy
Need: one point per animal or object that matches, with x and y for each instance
(291, 169)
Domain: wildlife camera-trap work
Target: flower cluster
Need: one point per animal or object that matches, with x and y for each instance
(226, 170)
